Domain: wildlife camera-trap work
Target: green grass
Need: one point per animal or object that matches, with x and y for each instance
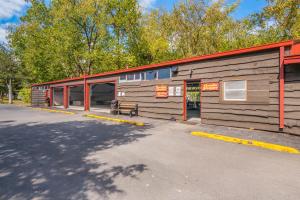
(15, 102)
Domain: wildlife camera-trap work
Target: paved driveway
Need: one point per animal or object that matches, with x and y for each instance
(57, 156)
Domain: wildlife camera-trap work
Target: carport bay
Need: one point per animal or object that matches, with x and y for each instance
(101, 95)
(84, 95)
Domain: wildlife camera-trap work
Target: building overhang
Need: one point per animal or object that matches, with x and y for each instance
(288, 60)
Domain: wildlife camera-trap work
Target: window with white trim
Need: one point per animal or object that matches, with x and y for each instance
(164, 73)
(235, 90)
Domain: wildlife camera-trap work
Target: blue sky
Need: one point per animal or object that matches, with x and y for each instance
(12, 10)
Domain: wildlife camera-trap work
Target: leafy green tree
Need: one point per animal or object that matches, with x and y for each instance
(198, 27)
(158, 36)
(279, 20)
(73, 38)
(9, 72)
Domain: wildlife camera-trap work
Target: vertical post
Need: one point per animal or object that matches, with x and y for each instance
(66, 97)
(116, 91)
(281, 89)
(86, 95)
(10, 95)
(51, 96)
(200, 104)
(184, 100)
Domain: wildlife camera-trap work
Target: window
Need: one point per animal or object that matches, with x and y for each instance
(123, 77)
(137, 76)
(164, 73)
(143, 76)
(235, 91)
(151, 75)
(130, 77)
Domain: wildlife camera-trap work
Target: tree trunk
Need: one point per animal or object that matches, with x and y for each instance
(9, 92)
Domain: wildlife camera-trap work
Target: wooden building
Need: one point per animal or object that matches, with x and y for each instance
(257, 88)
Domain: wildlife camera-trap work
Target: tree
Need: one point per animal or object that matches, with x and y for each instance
(158, 36)
(75, 37)
(279, 20)
(72, 38)
(9, 71)
(196, 27)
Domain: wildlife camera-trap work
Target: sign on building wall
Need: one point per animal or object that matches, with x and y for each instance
(178, 91)
(161, 91)
(212, 86)
(171, 91)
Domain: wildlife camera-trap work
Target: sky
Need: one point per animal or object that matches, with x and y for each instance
(12, 10)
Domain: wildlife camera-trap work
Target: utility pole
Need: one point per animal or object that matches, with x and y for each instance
(9, 91)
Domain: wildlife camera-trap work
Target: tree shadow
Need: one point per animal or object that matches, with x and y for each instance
(47, 161)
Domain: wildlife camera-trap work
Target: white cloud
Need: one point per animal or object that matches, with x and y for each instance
(9, 8)
(146, 4)
(3, 33)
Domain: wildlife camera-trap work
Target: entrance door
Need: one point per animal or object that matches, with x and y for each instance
(193, 100)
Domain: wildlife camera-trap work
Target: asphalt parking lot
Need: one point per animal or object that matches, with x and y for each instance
(56, 156)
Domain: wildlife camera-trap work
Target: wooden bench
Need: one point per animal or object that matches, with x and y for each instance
(128, 108)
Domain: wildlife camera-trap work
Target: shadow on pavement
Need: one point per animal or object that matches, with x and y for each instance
(48, 161)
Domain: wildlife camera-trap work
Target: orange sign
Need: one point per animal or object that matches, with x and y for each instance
(213, 86)
(161, 91)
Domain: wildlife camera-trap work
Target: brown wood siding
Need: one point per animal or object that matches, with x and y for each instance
(292, 99)
(260, 69)
(143, 94)
(38, 98)
(259, 111)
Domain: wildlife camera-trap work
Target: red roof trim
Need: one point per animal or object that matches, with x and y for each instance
(292, 60)
(182, 61)
(59, 81)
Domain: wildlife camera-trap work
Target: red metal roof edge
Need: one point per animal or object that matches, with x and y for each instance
(181, 61)
(59, 81)
(294, 59)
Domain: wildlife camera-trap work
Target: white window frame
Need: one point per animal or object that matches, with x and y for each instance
(244, 89)
(134, 78)
(122, 81)
(130, 80)
(145, 75)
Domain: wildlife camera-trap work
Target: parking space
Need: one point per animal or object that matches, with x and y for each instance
(53, 156)
(76, 97)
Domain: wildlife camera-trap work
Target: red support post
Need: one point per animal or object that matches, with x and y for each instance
(66, 97)
(281, 88)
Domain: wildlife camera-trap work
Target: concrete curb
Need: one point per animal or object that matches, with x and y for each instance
(54, 111)
(115, 119)
(270, 146)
